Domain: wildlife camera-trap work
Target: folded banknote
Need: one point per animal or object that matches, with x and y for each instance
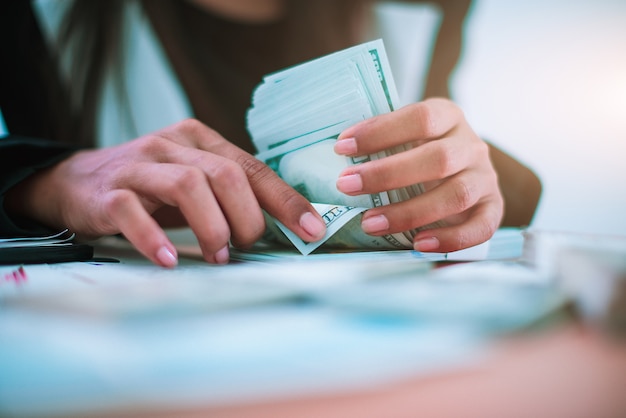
(294, 120)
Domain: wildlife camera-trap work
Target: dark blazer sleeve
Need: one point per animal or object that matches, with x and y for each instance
(33, 99)
(32, 106)
(20, 157)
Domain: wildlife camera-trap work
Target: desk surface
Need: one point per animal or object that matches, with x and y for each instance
(327, 338)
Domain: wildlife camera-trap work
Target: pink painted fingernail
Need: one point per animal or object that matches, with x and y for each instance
(166, 257)
(351, 183)
(313, 226)
(374, 224)
(222, 256)
(426, 244)
(345, 146)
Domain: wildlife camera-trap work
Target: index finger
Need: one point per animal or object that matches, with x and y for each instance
(415, 123)
(281, 201)
(274, 195)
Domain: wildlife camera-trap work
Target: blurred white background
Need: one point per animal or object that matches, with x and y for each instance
(546, 81)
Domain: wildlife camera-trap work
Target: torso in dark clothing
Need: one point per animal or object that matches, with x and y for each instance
(219, 62)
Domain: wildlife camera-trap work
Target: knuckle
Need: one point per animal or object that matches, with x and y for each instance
(256, 171)
(454, 110)
(494, 215)
(445, 159)
(200, 133)
(489, 226)
(482, 146)
(188, 179)
(115, 203)
(447, 104)
(229, 173)
(191, 126)
(153, 145)
(425, 118)
(462, 196)
(196, 133)
(481, 149)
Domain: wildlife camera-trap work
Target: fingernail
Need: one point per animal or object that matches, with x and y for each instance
(375, 224)
(351, 183)
(166, 257)
(313, 226)
(345, 146)
(426, 244)
(222, 256)
(348, 132)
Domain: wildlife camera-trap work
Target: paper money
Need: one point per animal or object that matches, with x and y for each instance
(294, 121)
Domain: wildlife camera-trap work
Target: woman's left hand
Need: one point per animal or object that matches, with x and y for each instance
(446, 156)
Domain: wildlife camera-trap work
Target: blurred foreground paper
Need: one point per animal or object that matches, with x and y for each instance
(96, 338)
(135, 287)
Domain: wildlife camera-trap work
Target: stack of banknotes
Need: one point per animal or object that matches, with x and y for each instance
(294, 120)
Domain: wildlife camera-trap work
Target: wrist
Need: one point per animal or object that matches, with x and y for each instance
(32, 200)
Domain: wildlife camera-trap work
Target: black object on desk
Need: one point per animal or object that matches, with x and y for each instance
(46, 254)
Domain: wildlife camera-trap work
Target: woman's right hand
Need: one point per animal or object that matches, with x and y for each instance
(185, 174)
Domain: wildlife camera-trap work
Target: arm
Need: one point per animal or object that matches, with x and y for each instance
(520, 188)
(20, 158)
(186, 174)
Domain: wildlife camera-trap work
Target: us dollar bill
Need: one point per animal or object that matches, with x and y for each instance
(294, 120)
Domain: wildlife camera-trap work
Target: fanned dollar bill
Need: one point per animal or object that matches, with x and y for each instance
(294, 121)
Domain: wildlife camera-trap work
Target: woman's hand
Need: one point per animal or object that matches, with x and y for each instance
(187, 172)
(447, 157)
